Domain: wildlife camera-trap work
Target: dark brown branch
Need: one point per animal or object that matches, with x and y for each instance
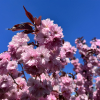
(15, 81)
(23, 73)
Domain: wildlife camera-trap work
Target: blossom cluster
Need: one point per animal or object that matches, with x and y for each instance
(44, 62)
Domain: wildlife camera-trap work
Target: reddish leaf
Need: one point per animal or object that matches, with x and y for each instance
(29, 15)
(29, 23)
(28, 31)
(37, 21)
(23, 26)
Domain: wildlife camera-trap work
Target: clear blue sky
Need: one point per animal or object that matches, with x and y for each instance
(76, 17)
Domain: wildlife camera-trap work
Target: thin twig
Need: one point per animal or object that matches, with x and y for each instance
(14, 80)
(23, 73)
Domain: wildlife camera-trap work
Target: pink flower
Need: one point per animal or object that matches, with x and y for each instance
(51, 97)
(21, 50)
(31, 82)
(79, 80)
(38, 88)
(6, 83)
(46, 23)
(83, 97)
(43, 37)
(21, 82)
(54, 64)
(66, 92)
(25, 96)
(43, 54)
(97, 82)
(12, 65)
(66, 81)
(98, 42)
(5, 56)
(20, 39)
(68, 50)
(96, 71)
(29, 57)
(56, 31)
(13, 94)
(4, 59)
(81, 90)
(12, 50)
